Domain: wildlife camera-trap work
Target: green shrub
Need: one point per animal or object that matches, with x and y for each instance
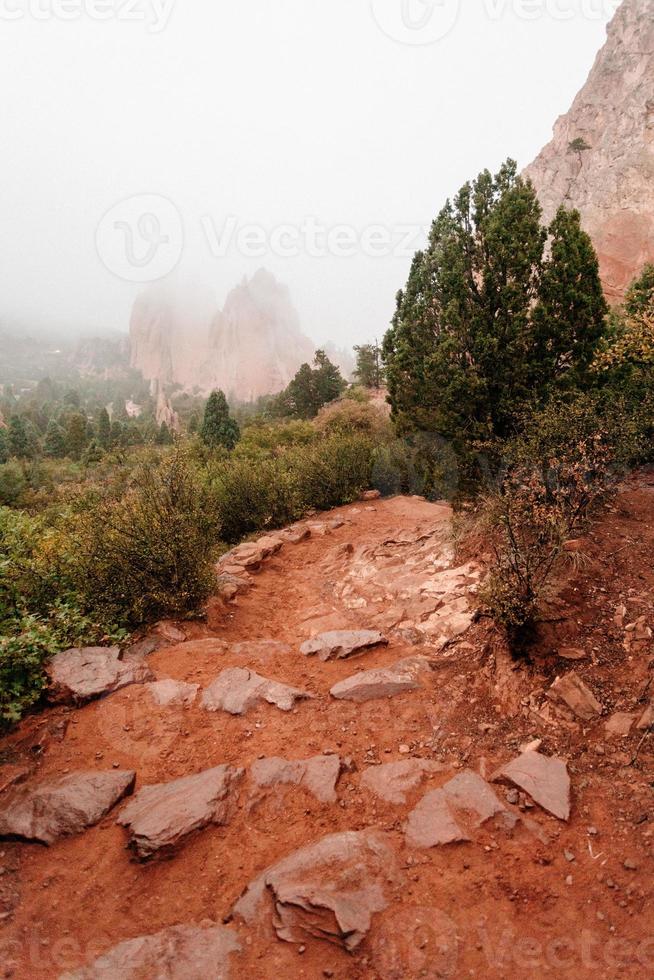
(149, 553)
(12, 483)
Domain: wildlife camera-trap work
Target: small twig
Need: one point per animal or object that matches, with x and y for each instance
(640, 744)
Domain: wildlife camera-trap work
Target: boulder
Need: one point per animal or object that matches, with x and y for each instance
(545, 779)
(392, 782)
(80, 675)
(168, 692)
(432, 823)
(370, 495)
(295, 534)
(370, 685)
(340, 644)
(56, 808)
(238, 689)
(328, 890)
(186, 952)
(318, 775)
(577, 696)
(160, 817)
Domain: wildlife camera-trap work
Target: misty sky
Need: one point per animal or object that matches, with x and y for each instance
(313, 137)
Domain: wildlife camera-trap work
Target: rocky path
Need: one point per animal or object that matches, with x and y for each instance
(339, 774)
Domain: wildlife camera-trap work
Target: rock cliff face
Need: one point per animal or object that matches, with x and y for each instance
(252, 347)
(601, 159)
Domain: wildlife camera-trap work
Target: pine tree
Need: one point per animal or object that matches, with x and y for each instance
(218, 427)
(54, 443)
(369, 371)
(328, 382)
(4, 445)
(76, 435)
(104, 429)
(486, 325)
(164, 438)
(569, 319)
(18, 438)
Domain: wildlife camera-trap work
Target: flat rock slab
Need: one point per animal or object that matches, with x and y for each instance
(545, 779)
(392, 781)
(238, 689)
(445, 815)
(180, 953)
(647, 719)
(620, 724)
(577, 696)
(80, 675)
(317, 775)
(169, 693)
(159, 818)
(384, 682)
(340, 644)
(58, 808)
(432, 823)
(328, 890)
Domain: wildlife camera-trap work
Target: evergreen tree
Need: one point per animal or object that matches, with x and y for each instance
(55, 441)
(486, 324)
(75, 435)
(569, 319)
(218, 427)
(18, 437)
(72, 399)
(310, 389)
(369, 371)
(640, 295)
(4, 445)
(164, 437)
(194, 424)
(328, 380)
(104, 429)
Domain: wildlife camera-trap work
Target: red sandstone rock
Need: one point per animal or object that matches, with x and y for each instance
(545, 779)
(80, 675)
(238, 689)
(341, 644)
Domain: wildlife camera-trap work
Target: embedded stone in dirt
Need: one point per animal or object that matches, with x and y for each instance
(180, 953)
(340, 644)
(160, 817)
(545, 779)
(238, 689)
(318, 775)
(468, 792)
(619, 725)
(432, 823)
(228, 586)
(572, 653)
(328, 890)
(80, 675)
(577, 696)
(647, 720)
(58, 808)
(383, 682)
(392, 781)
(295, 534)
(168, 692)
(370, 495)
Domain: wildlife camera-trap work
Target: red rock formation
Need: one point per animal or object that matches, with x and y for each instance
(252, 347)
(612, 180)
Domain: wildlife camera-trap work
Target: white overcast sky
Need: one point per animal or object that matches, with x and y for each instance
(260, 113)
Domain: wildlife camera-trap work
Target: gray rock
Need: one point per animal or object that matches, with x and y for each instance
(317, 775)
(48, 811)
(647, 719)
(160, 817)
(328, 890)
(180, 953)
(445, 815)
(392, 782)
(80, 675)
(340, 644)
(370, 685)
(468, 793)
(238, 689)
(545, 779)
